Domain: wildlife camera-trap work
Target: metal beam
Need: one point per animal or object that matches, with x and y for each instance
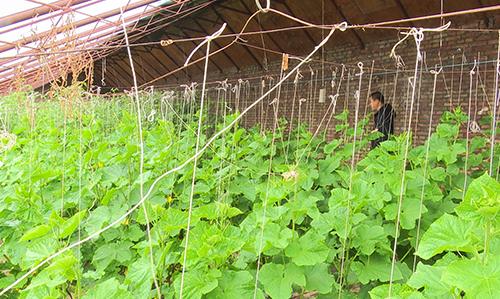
(34, 12)
(80, 23)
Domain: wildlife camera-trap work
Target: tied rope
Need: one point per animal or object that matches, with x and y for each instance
(426, 162)
(197, 147)
(418, 35)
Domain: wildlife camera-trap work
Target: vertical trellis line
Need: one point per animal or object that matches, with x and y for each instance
(426, 162)
(345, 248)
(141, 159)
(495, 107)
(418, 35)
(467, 134)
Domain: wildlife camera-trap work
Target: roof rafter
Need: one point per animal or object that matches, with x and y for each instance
(234, 32)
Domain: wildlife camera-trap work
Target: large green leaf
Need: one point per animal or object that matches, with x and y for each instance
(478, 279)
(368, 236)
(308, 250)
(71, 224)
(197, 282)
(278, 279)
(36, 232)
(62, 270)
(429, 278)
(318, 278)
(110, 288)
(398, 291)
(482, 199)
(107, 253)
(448, 233)
(140, 278)
(236, 284)
(377, 267)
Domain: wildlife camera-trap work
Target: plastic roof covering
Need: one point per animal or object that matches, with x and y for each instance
(30, 27)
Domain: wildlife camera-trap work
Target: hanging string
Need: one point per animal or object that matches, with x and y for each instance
(345, 247)
(495, 107)
(141, 157)
(426, 162)
(197, 148)
(275, 105)
(418, 35)
(464, 60)
(471, 79)
(298, 76)
(415, 130)
(103, 70)
(474, 125)
(452, 79)
(442, 23)
(80, 184)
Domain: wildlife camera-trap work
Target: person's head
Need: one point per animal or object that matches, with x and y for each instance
(376, 100)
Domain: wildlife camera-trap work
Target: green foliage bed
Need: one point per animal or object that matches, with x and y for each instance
(73, 173)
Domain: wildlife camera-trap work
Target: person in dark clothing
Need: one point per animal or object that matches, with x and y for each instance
(383, 117)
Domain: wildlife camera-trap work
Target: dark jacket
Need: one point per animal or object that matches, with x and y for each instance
(384, 123)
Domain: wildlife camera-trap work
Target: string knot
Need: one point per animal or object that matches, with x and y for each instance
(166, 42)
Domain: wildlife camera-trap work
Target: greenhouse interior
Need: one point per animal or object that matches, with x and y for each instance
(249, 149)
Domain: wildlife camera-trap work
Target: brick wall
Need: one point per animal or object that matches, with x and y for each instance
(454, 50)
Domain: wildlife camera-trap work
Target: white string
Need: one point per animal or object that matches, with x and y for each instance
(495, 107)
(195, 161)
(268, 184)
(206, 40)
(141, 158)
(259, 6)
(418, 36)
(471, 75)
(345, 248)
(426, 161)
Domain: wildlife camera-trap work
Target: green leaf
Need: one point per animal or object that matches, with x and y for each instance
(140, 278)
(36, 232)
(399, 291)
(429, 278)
(110, 288)
(448, 233)
(368, 236)
(278, 279)
(482, 199)
(243, 185)
(438, 174)
(197, 282)
(308, 250)
(173, 221)
(477, 279)
(61, 270)
(37, 250)
(97, 219)
(235, 284)
(70, 225)
(409, 212)
(107, 253)
(319, 279)
(376, 267)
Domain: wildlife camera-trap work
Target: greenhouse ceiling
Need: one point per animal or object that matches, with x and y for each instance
(35, 35)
